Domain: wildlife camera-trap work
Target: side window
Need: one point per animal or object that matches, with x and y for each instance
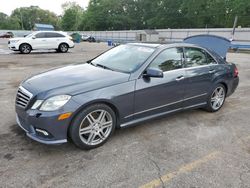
(210, 59)
(40, 35)
(169, 59)
(197, 57)
(53, 35)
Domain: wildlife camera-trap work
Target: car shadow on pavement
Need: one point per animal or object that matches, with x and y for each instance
(17, 140)
(39, 52)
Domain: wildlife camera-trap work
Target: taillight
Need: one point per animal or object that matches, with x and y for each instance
(236, 72)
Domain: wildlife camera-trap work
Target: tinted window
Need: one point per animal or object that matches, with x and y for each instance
(54, 35)
(210, 59)
(40, 35)
(169, 59)
(197, 57)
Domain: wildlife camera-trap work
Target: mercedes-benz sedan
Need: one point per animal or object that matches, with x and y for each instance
(128, 84)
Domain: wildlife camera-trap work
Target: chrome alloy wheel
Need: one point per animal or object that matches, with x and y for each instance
(95, 127)
(25, 49)
(218, 98)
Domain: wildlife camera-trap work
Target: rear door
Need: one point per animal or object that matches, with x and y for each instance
(200, 68)
(54, 39)
(161, 95)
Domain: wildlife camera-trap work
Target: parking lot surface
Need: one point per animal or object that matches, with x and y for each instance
(188, 149)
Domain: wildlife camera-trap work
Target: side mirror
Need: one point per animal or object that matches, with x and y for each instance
(153, 72)
(33, 37)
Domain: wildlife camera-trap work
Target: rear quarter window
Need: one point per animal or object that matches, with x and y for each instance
(217, 57)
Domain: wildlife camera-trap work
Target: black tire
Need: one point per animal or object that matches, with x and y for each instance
(212, 99)
(25, 48)
(92, 138)
(63, 48)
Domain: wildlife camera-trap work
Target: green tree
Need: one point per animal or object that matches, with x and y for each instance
(7, 22)
(28, 16)
(134, 14)
(72, 16)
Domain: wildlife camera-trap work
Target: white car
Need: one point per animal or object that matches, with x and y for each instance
(41, 40)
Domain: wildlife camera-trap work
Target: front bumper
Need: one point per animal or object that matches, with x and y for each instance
(32, 134)
(44, 127)
(71, 45)
(13, 46)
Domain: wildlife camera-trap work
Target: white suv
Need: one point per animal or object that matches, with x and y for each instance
(59, 41)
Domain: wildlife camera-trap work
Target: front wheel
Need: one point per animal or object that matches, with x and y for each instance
(25, 48)
(93, 126)
(216, 98)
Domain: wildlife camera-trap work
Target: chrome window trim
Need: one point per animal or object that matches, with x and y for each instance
(183, 59)
(165, 105)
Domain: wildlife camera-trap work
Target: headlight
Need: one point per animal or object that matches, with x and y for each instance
(14, 41)
(54, 103)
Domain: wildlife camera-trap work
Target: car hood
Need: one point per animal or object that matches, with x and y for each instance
(17, 38)
(72, 80)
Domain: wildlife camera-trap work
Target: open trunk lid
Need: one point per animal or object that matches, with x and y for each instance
(218, 44)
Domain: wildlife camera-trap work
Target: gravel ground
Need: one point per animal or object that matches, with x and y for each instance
(188, 149)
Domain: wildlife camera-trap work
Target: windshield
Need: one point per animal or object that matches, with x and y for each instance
(124, 58)
(29, 35)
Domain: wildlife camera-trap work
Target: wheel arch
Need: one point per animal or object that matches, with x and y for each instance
(24, 43)
(225, 85)
(221, 80)
(101, 101)
(63, 43)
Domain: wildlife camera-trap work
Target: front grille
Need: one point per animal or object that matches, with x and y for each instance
(23, 97)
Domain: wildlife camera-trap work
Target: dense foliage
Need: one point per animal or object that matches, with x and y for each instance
(26, 17)
(134, 14)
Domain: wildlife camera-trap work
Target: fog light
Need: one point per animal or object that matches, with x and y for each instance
(45, 133)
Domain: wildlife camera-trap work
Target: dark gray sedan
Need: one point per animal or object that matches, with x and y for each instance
(128, 84)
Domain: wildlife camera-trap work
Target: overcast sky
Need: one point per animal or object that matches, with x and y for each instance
(7, 6)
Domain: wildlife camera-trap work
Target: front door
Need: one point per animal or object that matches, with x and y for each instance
(40, 42)
(161, 95)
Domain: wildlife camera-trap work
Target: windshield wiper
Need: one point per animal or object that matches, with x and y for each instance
(89, 62)
(103, 66)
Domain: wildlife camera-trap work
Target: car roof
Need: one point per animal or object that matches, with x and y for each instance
(61, 32)
(154, 45)
(50, 32)
(151, 45)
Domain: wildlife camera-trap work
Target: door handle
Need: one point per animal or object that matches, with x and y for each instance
(212, 71)
(179, 78)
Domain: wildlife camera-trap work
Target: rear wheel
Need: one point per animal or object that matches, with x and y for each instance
(63, 48)
(93, 126)
(25, 48)
(216, 99)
